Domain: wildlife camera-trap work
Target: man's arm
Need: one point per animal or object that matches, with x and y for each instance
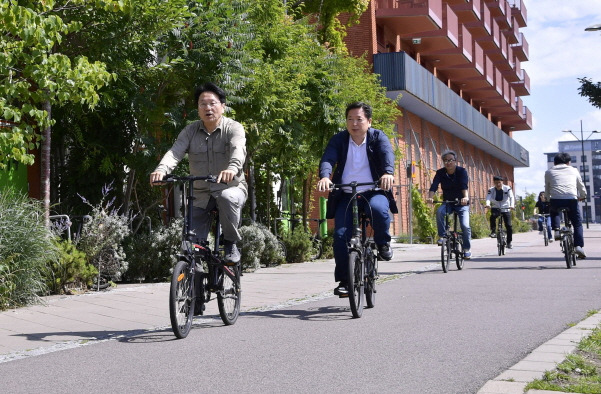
(510, 198)
(237, 144)
(173, 156)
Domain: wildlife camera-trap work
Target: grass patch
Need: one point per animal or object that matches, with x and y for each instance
(580, 372)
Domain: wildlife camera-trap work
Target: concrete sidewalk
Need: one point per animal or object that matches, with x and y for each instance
(63, 322)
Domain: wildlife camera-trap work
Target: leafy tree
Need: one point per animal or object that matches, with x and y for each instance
(36, 75)
(590, 90)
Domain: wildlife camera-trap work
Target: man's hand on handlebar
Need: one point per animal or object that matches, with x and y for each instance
(386, 182)
(156, 178)
(226, 176)
(324, 184)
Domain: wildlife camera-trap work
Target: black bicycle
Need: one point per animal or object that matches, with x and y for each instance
(501, 232)
(545, 228)
(363, 258)
(200, 271)
(567, 239)
(452, 240)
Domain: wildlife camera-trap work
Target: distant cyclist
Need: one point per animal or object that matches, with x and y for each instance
(542, 208)
(564, 187)
(453, 181)
(500, 198)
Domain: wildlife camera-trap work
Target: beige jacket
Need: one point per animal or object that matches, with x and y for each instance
(209, 154)
(563, 182)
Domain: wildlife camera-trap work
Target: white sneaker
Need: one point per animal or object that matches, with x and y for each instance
(550, 240)
(540, 232)
(579, 252)
(467, 254)
(557, 235)
(440, 241)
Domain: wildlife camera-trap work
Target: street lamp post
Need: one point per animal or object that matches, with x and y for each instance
(584, 172)
(596, 27)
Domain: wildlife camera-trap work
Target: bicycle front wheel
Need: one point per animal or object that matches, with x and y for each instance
(228, 297)
(355, 283)
(546, 235)
(371, 275)
(317, 248)
(500, 243)
(445, 254)
(181, 299)
(459, 254)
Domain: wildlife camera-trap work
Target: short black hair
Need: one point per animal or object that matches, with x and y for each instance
(209, 87)
(498, 178)
(359, 104)
(562, 158)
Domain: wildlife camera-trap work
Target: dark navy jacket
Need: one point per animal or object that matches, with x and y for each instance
(379, 155)
(451, 185)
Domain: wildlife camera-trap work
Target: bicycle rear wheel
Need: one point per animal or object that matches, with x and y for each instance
(445, 254)
(545, 233)
(181, 299)
(459, 254)
(500, 242)
(371, 275)
(568, 250)
(355, 283)
(228, 297)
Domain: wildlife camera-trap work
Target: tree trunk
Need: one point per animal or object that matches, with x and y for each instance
(45, 164)
(131, 177)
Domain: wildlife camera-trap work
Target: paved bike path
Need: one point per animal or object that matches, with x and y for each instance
(63, 322)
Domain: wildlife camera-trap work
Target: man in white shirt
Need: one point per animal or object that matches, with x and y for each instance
(564, 188)
(500, 199)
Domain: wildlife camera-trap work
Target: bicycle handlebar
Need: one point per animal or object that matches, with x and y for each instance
(355, 184)
(171, 178)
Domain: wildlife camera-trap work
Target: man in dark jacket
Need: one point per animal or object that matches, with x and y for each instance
(362, 154)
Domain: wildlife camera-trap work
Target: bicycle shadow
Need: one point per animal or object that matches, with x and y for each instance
(324, 313)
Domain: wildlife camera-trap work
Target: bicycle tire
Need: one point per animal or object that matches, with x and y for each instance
(317, 248)
(371, 275)
(445, 254)
(181, 299)
(459, 254)
(355, 283)
(545, 233)
(229, 295)
(283, 250)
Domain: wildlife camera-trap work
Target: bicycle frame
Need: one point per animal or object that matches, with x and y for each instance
(362, 260)
(501, 233)
(567, 239)
(452, 239)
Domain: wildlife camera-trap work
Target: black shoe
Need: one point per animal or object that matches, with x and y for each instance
(341, 290)
(232, 255)
(509, 246)
(385, 252)
(493, 235)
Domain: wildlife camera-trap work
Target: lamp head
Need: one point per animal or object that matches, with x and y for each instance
(594, 27)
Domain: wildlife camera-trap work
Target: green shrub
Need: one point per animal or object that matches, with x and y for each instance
(253, 244)
(424, 222)
(26, 247)
(151, 256)
(70, 270)
(101, 238)
(480, 225)
(298, 245)
(327, 244)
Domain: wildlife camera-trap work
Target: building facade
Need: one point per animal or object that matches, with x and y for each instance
(589, 166)
(454, 69)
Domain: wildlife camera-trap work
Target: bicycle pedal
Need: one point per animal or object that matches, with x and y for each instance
(343, 296)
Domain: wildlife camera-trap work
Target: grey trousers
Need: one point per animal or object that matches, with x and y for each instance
(229, 202)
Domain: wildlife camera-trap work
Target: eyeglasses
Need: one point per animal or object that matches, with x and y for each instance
(207, 105)
(448, 161)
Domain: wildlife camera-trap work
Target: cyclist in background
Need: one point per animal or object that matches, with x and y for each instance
(564, 187)
(541, 208)
(215, 145)
(499, 197)
(453, 180)
(362, 154)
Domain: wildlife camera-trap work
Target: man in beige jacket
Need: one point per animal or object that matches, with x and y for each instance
(216, 145)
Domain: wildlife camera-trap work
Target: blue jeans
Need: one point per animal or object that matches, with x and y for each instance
(464, 220)
(573, 215)
(540, 225)
(343, 226)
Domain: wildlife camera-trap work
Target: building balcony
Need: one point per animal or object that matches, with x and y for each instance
(409, 16)
(431, 99)
(518, 10)
(521, 49)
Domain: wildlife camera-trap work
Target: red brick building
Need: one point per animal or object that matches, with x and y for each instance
(457, 66)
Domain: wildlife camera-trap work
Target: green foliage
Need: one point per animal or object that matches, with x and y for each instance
(298, 245)
(590, 90)
(151, 256)
(480, 225)
(70, 269)
(34, 72)
(529, 202)
(101, 238)
(26, 247)
(424, 224)
(259, 247)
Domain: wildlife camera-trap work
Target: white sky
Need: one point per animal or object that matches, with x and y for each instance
(560, 53)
